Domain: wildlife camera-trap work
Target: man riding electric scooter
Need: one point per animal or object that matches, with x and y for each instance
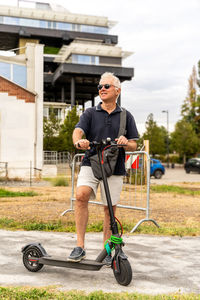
(98, 123)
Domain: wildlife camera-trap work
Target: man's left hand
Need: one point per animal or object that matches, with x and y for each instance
(122, 140)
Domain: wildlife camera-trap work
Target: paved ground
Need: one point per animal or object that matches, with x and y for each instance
(176, 175)
(160, 264)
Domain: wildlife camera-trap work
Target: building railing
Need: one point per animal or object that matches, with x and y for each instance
(55, 157)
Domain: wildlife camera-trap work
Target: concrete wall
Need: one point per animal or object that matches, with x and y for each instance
(17, 127)
(21, 122)
(34, 59)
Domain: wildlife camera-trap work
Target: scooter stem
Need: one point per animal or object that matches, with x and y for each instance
(113, 223)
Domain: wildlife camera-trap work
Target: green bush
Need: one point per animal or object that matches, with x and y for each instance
(135, 178)
(60, 181)
(51, 50)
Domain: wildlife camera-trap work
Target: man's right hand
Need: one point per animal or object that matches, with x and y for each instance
(82, 144)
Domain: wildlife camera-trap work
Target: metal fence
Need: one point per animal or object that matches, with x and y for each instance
(136, 188)
(18, 171)
(54, 157)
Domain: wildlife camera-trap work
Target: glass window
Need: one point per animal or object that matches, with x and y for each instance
(96, 60)
(94, 29)
(74, 58)
(57, 112)
(85, 59)
(99, 29)
(19, 75)
(85, 28)
(5, 70)
(52, 110)
(29, 22)
(11, 20)
(78, 27)
(42, 24)
(73, 27)
(49, 24)
(54, 25)
(64, 26)
(46, 112)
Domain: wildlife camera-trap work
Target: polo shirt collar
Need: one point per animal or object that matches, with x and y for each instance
(117, 109)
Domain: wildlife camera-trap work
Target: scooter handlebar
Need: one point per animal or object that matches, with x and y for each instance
(106, 142)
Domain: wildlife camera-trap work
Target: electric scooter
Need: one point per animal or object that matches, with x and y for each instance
(35, 256)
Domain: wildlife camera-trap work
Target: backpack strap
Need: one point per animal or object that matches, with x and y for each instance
(122, 128)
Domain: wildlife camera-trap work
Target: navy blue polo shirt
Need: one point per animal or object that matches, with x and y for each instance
(98, 124)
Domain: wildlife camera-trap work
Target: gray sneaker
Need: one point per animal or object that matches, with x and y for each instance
(77, 254)
(107, 261)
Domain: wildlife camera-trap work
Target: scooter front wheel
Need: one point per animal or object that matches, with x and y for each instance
(124, 274)
(30, 259)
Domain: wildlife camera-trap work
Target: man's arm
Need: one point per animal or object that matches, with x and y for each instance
(80, 143)
(131, 146)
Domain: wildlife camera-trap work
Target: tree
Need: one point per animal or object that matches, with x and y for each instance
(65, 134)
(190, 109)
(184, 139)
(51, 129)
(156, 136)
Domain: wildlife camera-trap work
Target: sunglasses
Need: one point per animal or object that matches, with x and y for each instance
(106, 86)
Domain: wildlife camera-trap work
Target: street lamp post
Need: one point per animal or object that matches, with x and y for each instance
(167, 112)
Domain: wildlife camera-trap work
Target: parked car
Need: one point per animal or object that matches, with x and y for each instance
(192, 165)
(156, 168)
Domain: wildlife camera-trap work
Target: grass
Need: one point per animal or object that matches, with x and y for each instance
(57, 226)
(174, 189)
(52, 293)
(167, 229)
(6, 193)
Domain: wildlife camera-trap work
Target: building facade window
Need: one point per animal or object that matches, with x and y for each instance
(85, 59)
(53, 25)
(19, 75)
(5, 70)
(57, 111)
(64, 26)
(94, 29)
(14, 72)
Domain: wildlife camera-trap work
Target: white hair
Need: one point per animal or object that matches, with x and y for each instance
(116, 80)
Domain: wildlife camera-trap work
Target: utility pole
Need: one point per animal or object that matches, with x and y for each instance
(167, 112)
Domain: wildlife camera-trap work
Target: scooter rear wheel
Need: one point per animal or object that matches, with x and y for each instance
(123, 277)
(30, 259)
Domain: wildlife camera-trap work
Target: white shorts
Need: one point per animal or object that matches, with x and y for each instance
(115, 183)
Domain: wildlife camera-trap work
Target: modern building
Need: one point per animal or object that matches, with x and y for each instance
(77, 48)
(59, 58)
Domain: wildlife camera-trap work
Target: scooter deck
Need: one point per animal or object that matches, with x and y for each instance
(85, 264)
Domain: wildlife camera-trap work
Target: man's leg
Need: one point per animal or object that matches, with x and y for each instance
(106, 228)
(81, 213)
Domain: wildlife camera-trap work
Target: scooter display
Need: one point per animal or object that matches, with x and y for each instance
(35, 256)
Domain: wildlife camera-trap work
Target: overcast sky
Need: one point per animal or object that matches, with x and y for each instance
(164, 36)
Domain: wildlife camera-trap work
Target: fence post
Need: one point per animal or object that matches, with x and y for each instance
(6, 167)
(30, 173)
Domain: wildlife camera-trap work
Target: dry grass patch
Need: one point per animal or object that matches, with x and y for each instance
(168, 209)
